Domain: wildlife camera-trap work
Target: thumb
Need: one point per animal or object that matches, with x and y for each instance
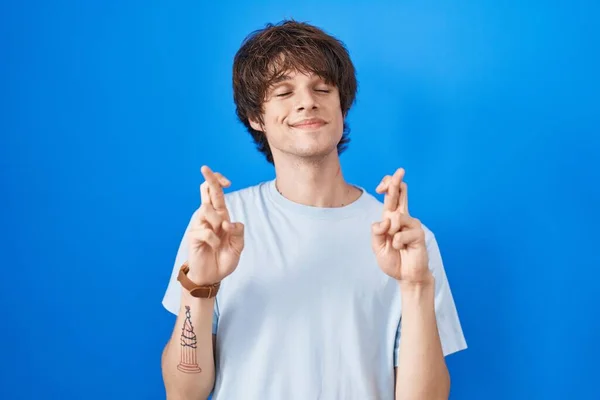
(379, 233)
(235, 231)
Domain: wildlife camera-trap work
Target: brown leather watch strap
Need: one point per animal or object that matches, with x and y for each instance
(203, 292)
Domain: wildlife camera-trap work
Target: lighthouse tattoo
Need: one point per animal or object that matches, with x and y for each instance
(188, 361)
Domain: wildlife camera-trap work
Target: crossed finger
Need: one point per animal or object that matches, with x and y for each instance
(396, 198)
(204, 192)
(215, 183)
(210, 218)
(400, 222)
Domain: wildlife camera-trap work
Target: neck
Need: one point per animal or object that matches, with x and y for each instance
(317, 183)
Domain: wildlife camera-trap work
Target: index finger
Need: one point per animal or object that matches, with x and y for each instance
(215, 190)
(392, 196)
(403, 206)
(204, 196)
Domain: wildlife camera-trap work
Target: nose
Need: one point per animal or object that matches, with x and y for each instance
(306, 100)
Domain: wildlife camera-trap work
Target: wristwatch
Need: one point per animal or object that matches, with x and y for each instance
(202, 292)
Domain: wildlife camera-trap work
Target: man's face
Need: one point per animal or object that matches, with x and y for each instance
(302, 117)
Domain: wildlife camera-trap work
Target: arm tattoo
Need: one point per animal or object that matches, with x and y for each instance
(188, 361)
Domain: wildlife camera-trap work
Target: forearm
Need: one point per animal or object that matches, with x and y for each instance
(188, 360)
(421, 372)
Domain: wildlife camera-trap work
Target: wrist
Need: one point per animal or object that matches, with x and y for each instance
(418, 288)
(195, 279)
(199, 278)
(187, 298)
(195, 288)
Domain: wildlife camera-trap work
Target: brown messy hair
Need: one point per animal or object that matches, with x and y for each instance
(269, 53)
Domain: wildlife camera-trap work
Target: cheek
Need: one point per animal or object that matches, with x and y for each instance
(270, 113)
(279, 115)
(279, 119)
(339, 117)
(274, 122)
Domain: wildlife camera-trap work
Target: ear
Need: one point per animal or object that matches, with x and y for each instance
(255, 125)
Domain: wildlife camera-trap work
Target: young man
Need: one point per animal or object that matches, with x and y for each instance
(306, 286)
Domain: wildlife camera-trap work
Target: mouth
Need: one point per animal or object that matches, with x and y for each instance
(309, 124)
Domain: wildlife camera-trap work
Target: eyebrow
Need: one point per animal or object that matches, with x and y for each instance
(284, 78)
(280, 79)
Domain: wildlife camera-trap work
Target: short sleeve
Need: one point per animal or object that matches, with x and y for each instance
(448, 322)
(172, 297)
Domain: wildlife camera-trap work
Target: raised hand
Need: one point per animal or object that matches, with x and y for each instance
(398, 240)
(215, 242)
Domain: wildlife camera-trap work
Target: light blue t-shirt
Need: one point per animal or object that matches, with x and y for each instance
(308, 314)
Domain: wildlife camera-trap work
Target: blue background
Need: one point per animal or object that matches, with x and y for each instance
(109, 108)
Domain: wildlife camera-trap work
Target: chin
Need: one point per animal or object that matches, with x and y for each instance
(313, 144)
(314, 152)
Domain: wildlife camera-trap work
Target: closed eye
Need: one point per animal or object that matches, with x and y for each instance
(316, 90)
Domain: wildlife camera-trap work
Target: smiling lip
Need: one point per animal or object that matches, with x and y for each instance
(309, 123)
